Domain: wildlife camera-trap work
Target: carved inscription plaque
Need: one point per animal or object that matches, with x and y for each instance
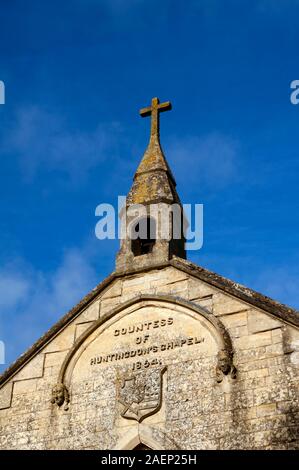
(133, 354)
(145, 342)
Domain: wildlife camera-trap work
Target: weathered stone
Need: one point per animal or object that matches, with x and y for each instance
(33, 369)
(254, 341)
(81, 328)
(258, 322)
(91, 313)
(205, 303)
(107, 305)
(113, 291)
(166, 276)
(63, 340)
(179, 288)
(264, 372)
(238, 331)
(25, 386)
(198, 289)
(6, 396)
(225, 305)
(55, 358)
(188, 388)
(265, 410)
(234, 320)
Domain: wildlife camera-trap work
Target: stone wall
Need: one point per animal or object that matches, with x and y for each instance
(257, 409)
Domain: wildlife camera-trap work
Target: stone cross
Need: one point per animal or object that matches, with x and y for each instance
(154, 110)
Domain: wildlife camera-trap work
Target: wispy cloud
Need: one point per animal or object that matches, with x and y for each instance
(209, 160)
(31, 300)
(43, 141)
(14, 287)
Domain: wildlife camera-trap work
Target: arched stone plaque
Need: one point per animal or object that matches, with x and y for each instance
(122, 362)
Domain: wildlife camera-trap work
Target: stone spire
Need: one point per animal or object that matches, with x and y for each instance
(153, 217)
(153, 180)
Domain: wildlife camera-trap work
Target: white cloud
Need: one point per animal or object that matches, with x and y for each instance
(32, 301)
(13, 288)
(209, 160)
(43, 141)
(70, 281)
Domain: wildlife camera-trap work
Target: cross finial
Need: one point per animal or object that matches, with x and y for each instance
(153, 111)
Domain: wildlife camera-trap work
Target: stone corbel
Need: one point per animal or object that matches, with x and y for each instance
(225, 365)
(60, 396)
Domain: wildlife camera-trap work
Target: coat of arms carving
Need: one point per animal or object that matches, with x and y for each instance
(141, 393)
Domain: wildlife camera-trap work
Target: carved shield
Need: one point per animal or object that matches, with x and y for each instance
(141, 394)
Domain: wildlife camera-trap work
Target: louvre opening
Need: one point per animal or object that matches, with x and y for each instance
(144, 243)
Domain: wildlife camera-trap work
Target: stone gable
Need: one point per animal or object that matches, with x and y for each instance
(140, 362)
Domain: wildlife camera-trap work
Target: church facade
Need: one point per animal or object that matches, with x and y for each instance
(163, 354)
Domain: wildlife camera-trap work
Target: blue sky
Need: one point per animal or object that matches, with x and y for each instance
(76, 74)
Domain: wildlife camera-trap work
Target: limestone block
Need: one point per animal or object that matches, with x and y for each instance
(239, 399)
(262, 438)
(258, 321)
(277, 335)
(150, 281)
(81, 328)
(206, 303)
(168, 276)
(6, 395)
(23, 387)
(242, 414)
(266, 395)
(266, 410)
(292, 344)
(225, 304)
(294, 358)
(91, 313)
(113, 291)
(199, 289)
(135, 283)
(284, 406)
(253, 341)
(109, 304)
(255, 354)
(238, 331)
(133, 291)
(158, 278)
(258, 373)
(235, 319)
(55, 358)
(131, 295)
(33, 369)
(252, 383)
(62, 341)
(268, 421)
(206, 445)
(293, 337)
(275, 349)
(179, 288)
